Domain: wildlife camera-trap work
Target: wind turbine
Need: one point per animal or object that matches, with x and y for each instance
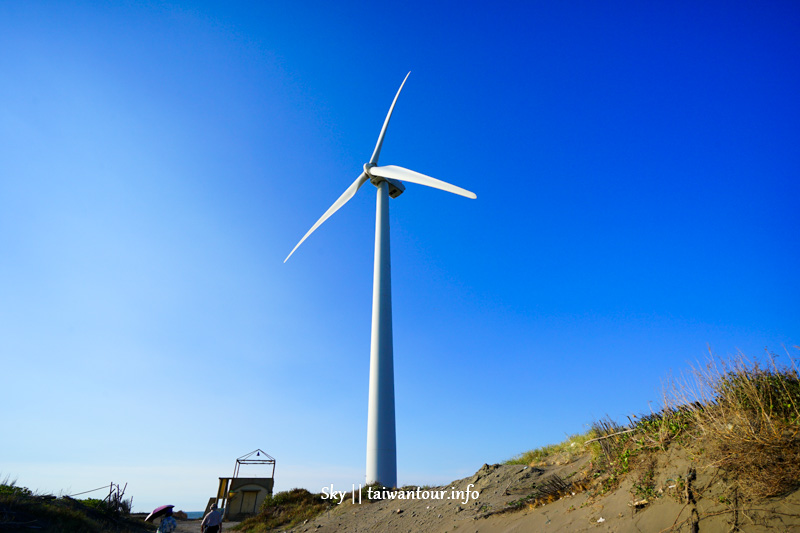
(381, 436)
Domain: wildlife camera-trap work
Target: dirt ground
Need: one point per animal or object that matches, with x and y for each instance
(193, 526)
(687, 497)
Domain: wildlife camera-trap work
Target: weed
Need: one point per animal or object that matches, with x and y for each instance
(644, 486)
(286, 509)
(749, 415)
(740, 415)
(8, 487)
(561, 453)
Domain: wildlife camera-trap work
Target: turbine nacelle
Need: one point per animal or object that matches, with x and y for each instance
(396, 187)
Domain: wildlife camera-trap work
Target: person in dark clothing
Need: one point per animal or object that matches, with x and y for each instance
(212, 522)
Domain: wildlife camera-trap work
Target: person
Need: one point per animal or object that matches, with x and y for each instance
(168, 524)
(212, 522)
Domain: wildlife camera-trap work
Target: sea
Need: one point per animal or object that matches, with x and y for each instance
(194, 515)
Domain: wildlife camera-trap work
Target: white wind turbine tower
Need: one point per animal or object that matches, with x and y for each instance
(381, 438)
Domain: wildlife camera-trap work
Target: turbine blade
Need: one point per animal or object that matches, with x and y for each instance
(403, 174)
(374, 159)
(343, 199)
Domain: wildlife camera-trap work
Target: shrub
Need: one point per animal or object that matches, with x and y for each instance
(749, 413)
(745, 414)
(285, 509)
(10, 488)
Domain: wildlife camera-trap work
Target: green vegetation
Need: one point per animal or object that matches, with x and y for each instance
(562, 453)
(9, 490)
(23, 510)
(750, 416)
(644, 486)
(285, 509)
(741, 416)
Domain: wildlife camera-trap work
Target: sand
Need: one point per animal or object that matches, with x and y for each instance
(688, 495)
(193, 526)
(701, 503)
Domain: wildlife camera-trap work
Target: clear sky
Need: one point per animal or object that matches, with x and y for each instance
(636, 166)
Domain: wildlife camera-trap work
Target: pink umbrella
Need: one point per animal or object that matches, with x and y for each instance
(159, 511)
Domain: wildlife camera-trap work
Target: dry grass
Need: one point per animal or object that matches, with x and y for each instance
(285, 509)
(562, 453)
(739, 415)
(748, 413)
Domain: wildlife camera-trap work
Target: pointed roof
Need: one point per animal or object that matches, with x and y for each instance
(259, 452)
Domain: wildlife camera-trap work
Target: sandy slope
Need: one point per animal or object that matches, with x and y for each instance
(703, 501)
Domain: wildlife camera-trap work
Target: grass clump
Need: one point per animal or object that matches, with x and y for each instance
(749, 413)
(741, 416)
(285, 510)
(746, 414)
(561, 453)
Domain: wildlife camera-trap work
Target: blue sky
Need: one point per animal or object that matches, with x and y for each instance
(636, 166)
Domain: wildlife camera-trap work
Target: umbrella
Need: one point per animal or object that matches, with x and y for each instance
(159, 511)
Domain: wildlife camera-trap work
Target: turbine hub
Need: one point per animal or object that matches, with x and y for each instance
(375, 180)
(396, 187)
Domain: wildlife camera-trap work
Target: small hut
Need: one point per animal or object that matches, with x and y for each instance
(241, 497)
